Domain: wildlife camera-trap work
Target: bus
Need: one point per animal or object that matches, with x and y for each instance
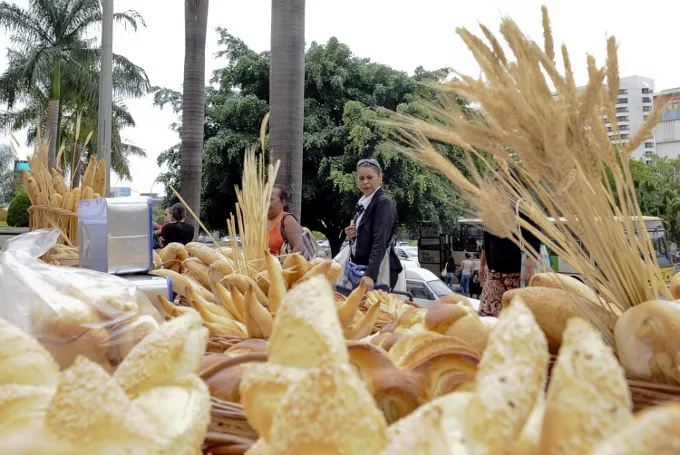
(469, 239)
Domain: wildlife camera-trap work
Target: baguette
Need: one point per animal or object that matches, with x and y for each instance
(58, 183)
(203, 252)
(363, 326)
(277, 284)
(99, 185)
(259, 321)
(243, 283)
(88, 176)
(87, 193)
(199, 270)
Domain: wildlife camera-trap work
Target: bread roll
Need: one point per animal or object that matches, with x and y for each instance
(23, 407)
(424, 350)
(648, 341)
(180, 414)
(654, 431)
(457, 320)
(111, 424)
(587, 385)
(363, 325)
(675, 286)
(306, 329)
(172, 256)
(445, 373)
(510, 378)
(262, 388)
(165, 357)
(328, 412)
(437, 427)
(564, 282)
(395, 392)
(225, 383)
(23, 360)
(529, 440)
(552, 308)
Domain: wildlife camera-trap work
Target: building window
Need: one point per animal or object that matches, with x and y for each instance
(621, 109)
(623, 91)
(646, 99)
(646, 90)
(646, 117)
(673, 105)
(625, 137)
(623, 127)
(646, 108)
(622, 101)
(649, 152)
(649, 145)
(609, 129)
(622, 118)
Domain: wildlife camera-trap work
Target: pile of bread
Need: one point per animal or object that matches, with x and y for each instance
(316, 394)
(646, 337)
(154, 403)
(239, 305)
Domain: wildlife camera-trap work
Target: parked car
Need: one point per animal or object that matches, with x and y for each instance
(407, 254)
(425, 287)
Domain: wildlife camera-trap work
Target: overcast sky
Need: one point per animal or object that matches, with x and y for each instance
(399, 33)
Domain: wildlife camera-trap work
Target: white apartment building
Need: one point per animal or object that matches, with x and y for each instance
(636, 97)
(667, 131)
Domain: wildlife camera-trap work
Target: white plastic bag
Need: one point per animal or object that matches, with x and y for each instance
(343, 258)
(71, 311)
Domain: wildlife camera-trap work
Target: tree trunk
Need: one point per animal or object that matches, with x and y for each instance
(193, 104)
(53, 115)
(77, 171)
(286, 94)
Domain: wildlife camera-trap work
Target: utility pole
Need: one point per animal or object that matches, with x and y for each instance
(106, 91)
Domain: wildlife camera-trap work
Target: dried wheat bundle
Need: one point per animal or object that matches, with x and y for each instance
(249, 222)
(546, 154)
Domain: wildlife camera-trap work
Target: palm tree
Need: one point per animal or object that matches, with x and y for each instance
(286, 93)
(193, 102)
(49, 40)
(7, 159)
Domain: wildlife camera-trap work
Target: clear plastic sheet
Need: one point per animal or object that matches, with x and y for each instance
(71, 311)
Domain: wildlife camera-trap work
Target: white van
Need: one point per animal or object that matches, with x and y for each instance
(424, 286)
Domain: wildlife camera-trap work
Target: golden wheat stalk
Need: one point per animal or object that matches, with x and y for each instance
(559, 147)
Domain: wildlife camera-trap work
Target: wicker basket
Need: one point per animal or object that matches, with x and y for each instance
(644, 393)
(229, 431)
(48, 217)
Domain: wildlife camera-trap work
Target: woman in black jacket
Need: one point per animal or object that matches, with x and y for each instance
(373, 228)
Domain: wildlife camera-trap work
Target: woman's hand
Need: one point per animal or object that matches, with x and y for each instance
(369, 283)
(351, 232)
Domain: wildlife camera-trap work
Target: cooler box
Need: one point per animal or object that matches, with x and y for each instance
(116, 235)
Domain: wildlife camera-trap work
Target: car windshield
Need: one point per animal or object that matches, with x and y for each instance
(411, 251)
(439, 288)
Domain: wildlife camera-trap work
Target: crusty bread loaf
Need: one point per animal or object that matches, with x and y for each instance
(425, 349)
(262, 388)
(23, 360)
(457, 320)
(587, 385)
(654, 431)
(454, 299)
(172, 256)
(411, 320)
(564, 282)
(165, 357)
(552, 308)
(648, 341)
(510, 377)
(306, 330)
(329, 411)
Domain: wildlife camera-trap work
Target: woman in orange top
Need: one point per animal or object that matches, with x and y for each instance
(283, 227)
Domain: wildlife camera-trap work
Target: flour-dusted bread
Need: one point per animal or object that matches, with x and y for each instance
(653, 431)
(23, 360)
(307, 330)
(588, 398)
(511, 377)
(329, 411)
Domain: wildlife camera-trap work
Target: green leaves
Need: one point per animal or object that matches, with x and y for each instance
(345, 97)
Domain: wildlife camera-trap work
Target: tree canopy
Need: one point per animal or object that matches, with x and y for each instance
(344, 96)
